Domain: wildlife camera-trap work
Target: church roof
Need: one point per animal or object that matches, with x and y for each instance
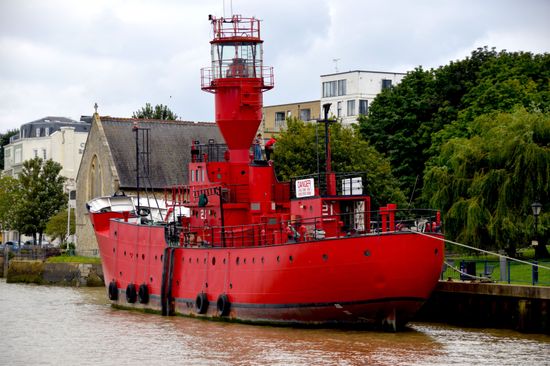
(169, 149)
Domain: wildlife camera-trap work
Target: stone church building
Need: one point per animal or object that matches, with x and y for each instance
(109, 162)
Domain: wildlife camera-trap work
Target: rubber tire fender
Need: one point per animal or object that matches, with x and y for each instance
(143, 294)
(223, 305)
(113, 291)
(201, 303)
(131, 294)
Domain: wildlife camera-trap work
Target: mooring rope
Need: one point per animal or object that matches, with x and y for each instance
(480, 250)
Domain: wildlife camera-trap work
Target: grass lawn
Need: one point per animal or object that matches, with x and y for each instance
(74, 259)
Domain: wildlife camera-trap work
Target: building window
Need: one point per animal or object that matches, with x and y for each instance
(386, 83)
(47, 131)
(339, 109)
(305, 114)
(44, 154)
(329, 89)
(363, 106)
(351, 107)
(288, 114)
(95, 179)
(279, 119)
(37, 131)
(341, 87)
(17, 155)
(35, 153)
(7, 153)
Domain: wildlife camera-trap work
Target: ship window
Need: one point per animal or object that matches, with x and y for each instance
(213, 261)
(237, 261)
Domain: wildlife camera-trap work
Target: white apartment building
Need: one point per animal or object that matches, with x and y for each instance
(57, 138)
(350, 93)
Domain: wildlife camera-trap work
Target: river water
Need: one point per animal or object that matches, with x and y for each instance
(45, 325)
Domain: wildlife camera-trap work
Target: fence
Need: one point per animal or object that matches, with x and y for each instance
(502, 271)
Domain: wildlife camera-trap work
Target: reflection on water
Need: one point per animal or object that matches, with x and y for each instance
(42, 325)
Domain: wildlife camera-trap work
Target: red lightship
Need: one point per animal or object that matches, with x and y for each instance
(235, 243)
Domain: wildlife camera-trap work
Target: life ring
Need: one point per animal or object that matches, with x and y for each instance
(201, 303)
(131, 294)
(113, 291)
(223, 305)
(143, 294)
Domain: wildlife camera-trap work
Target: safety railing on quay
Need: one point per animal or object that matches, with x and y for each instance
(504, 270)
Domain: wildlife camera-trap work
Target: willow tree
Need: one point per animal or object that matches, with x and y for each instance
(486, 184)
(300, 150)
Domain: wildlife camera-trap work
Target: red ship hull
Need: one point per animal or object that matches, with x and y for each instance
(376, 278)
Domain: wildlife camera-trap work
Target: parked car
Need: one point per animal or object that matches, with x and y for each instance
(13, 246)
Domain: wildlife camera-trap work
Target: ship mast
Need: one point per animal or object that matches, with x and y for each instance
(238, 78)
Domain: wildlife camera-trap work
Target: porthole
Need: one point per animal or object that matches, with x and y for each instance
(143, 256)
(189, 260)
(125, 253)
(436, 251)
(290, 258)
(206, 285)
(253, 260)
(177, 282)
(237, 261)
(204, 261)
(151, 278)
(224, 261)
(156, 257)
(120, 273)
(325, 257)
(230, 285)
(262, 260)
(114, 250)
(278, 259)
(213, 261)
(244, 261)
(197, 259)
(367, 253)
(161, 256)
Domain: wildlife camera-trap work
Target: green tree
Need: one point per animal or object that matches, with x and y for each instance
(4, 140)
(297, 150)
(42, 196)
(57, 225)
(410, 122)
(10, 194)
(160, 111)
(486, 183)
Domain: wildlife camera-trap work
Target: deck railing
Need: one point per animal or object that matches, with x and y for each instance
(276, 232)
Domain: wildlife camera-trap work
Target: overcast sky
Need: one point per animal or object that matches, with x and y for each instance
(57, 58)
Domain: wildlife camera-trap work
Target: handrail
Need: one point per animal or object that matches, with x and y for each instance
(280, 231)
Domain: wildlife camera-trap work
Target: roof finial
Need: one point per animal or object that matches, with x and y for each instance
(95, 107)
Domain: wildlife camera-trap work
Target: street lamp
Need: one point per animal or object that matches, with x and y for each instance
(536, 207)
